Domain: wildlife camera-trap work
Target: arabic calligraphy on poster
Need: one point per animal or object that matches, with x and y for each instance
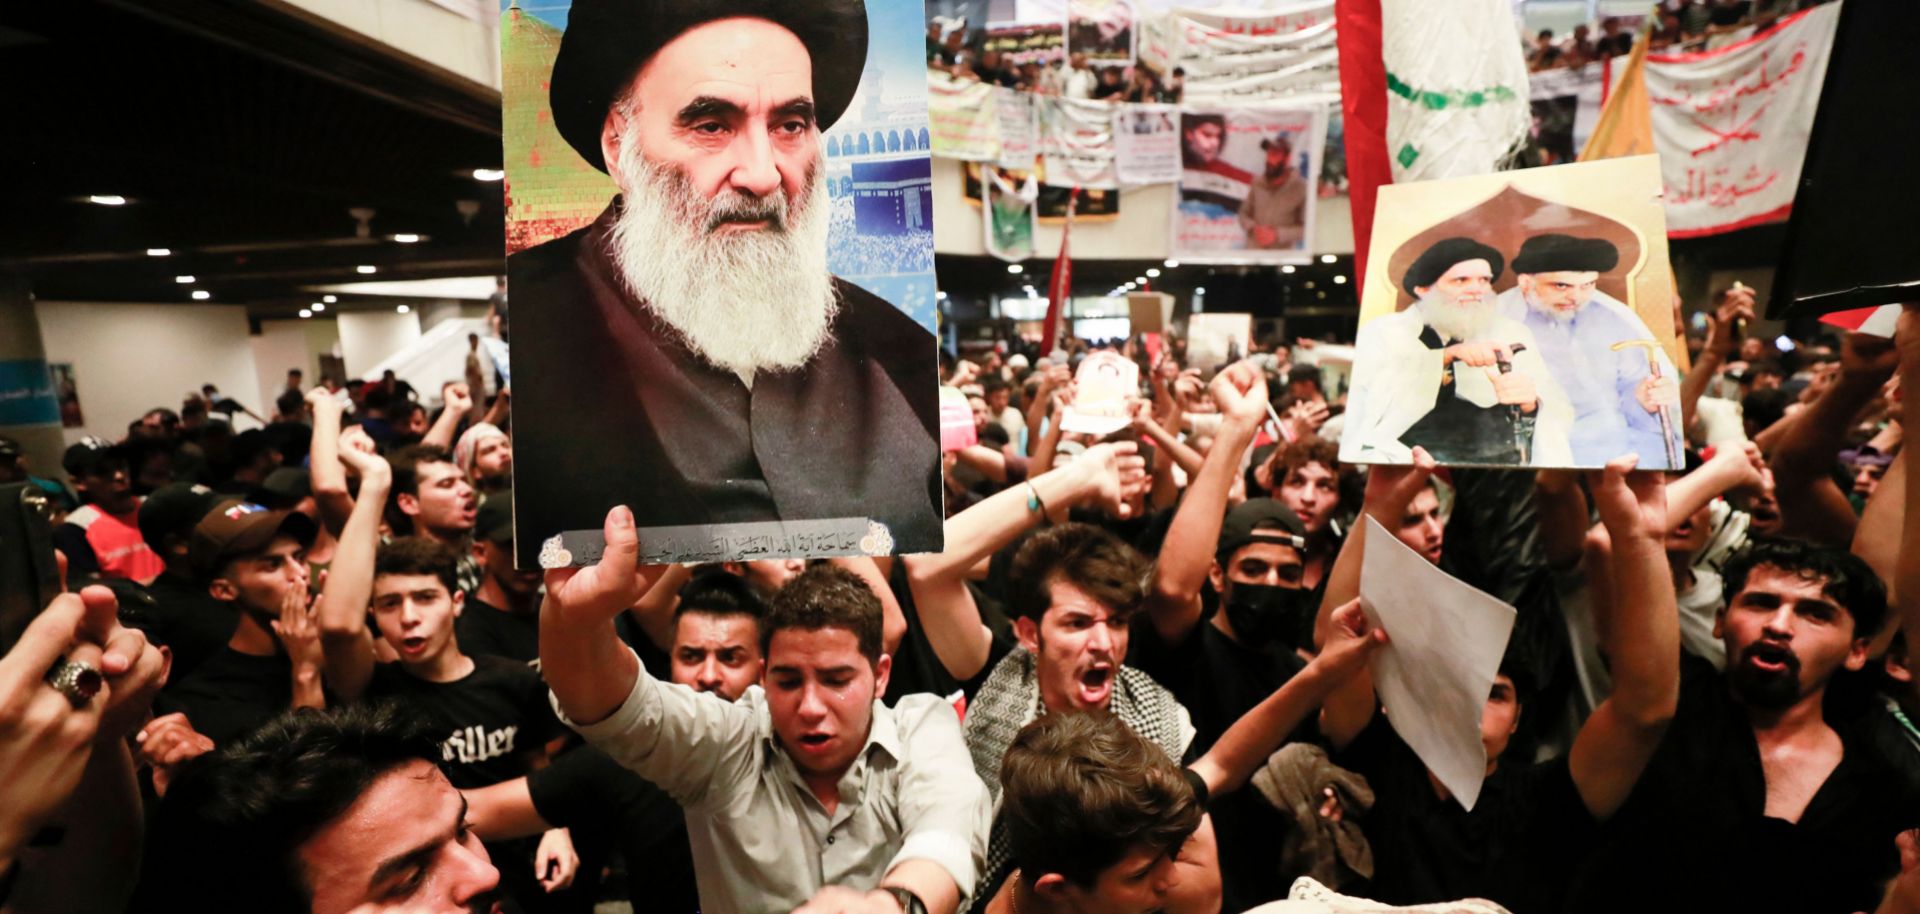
(1732, 125)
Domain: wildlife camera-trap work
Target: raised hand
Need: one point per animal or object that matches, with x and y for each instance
(45, 741)
(1351, 642)
(1868, 357)
(596, 594)
(299, 631)
(1630, 503)
(166, 743)
(555, 861)
(1240, 390)
(356, 441)
(1391, 488)
(1118, 475)
(457, 397)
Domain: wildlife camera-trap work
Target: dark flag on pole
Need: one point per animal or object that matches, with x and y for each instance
(1849, 242)
(1061, 285)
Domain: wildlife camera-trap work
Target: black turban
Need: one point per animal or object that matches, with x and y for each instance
(1441, 257)
(1565, 253)
(607, 42)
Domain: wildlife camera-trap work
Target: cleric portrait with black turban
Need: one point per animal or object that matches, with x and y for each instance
(689, 354)
(1453, 376)
(1617, 376)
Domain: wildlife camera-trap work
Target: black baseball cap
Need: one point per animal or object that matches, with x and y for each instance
(174, 509)
(235, 528)
(494, 521)
(90, 454)
(1260, 520)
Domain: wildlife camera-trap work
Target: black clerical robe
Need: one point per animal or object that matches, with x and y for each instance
(611, 407)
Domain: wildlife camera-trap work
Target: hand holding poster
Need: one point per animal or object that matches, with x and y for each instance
(1246, 185)
(684, 309)
(1520, 318)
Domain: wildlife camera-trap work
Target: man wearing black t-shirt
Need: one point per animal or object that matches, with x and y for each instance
(1531, 824)
(1765, 795)
(490, 714)
(1221, 665)
(185, 618)
(253, 560)
(502, 617)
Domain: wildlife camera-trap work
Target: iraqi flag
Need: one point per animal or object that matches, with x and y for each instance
(1878, 321)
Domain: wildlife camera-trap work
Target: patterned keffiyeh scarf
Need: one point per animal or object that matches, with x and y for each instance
(1010, 699)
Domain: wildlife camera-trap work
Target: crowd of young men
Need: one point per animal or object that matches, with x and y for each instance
(1139, 678)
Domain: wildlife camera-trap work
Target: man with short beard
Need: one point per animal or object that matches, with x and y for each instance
(1452, 375)
(1274, 215)
(693, 332)
(1617, 400)
(1764, 795)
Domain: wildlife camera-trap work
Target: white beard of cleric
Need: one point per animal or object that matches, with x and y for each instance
(745, 302)
(1458, 318)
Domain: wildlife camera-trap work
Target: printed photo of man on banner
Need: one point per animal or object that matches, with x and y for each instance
(1102, 30)
(1247, 185)
(733, 335)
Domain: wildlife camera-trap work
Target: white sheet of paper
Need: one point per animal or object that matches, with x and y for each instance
(1445, 641)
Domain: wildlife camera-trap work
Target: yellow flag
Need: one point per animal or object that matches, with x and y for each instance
(1626, 123)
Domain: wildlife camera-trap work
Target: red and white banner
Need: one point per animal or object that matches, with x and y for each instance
(1731, 125)
(1878, 321)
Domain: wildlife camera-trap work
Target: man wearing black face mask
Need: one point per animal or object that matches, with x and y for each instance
(1223, 654)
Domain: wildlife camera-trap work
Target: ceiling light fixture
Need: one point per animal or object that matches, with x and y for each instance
(1014, 268)
(406, 238)
(329, 299)
(366, 268)
(403, 309)
(1172, 263)
(184, 280)
(319, 306)
(1153, 272)
(1328, 258)
(159, 252)
(201, 295)
(488, 174)
(1286, 268)
(108, 199)
(1340, 280)
(305, 313)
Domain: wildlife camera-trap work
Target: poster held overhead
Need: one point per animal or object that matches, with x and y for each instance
(732, 337)
(1516, 319)
(1246, 185)
(1217, 340)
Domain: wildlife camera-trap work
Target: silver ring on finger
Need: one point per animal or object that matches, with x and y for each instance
(78, 680)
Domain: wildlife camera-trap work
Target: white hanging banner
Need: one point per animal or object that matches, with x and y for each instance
(1731, 125)
(1076, 143)
(1146, 143)
(1456, 88)
(963, 121)
(1016, 121)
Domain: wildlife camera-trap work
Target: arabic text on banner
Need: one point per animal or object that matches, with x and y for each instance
(1236, 57)
(1146, 143)
(1017, 125)
(964, 123)
(1076, 145)
(1732, 125)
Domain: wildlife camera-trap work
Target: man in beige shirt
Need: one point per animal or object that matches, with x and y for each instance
(1274, 215)
(808, 793)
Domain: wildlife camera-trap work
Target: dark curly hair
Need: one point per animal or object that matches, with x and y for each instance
(1843, 576)
(826, 596)
(253, 803)
(1081, 790)
(1086, 556)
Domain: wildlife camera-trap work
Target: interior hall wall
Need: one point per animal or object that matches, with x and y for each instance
(130, 357)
